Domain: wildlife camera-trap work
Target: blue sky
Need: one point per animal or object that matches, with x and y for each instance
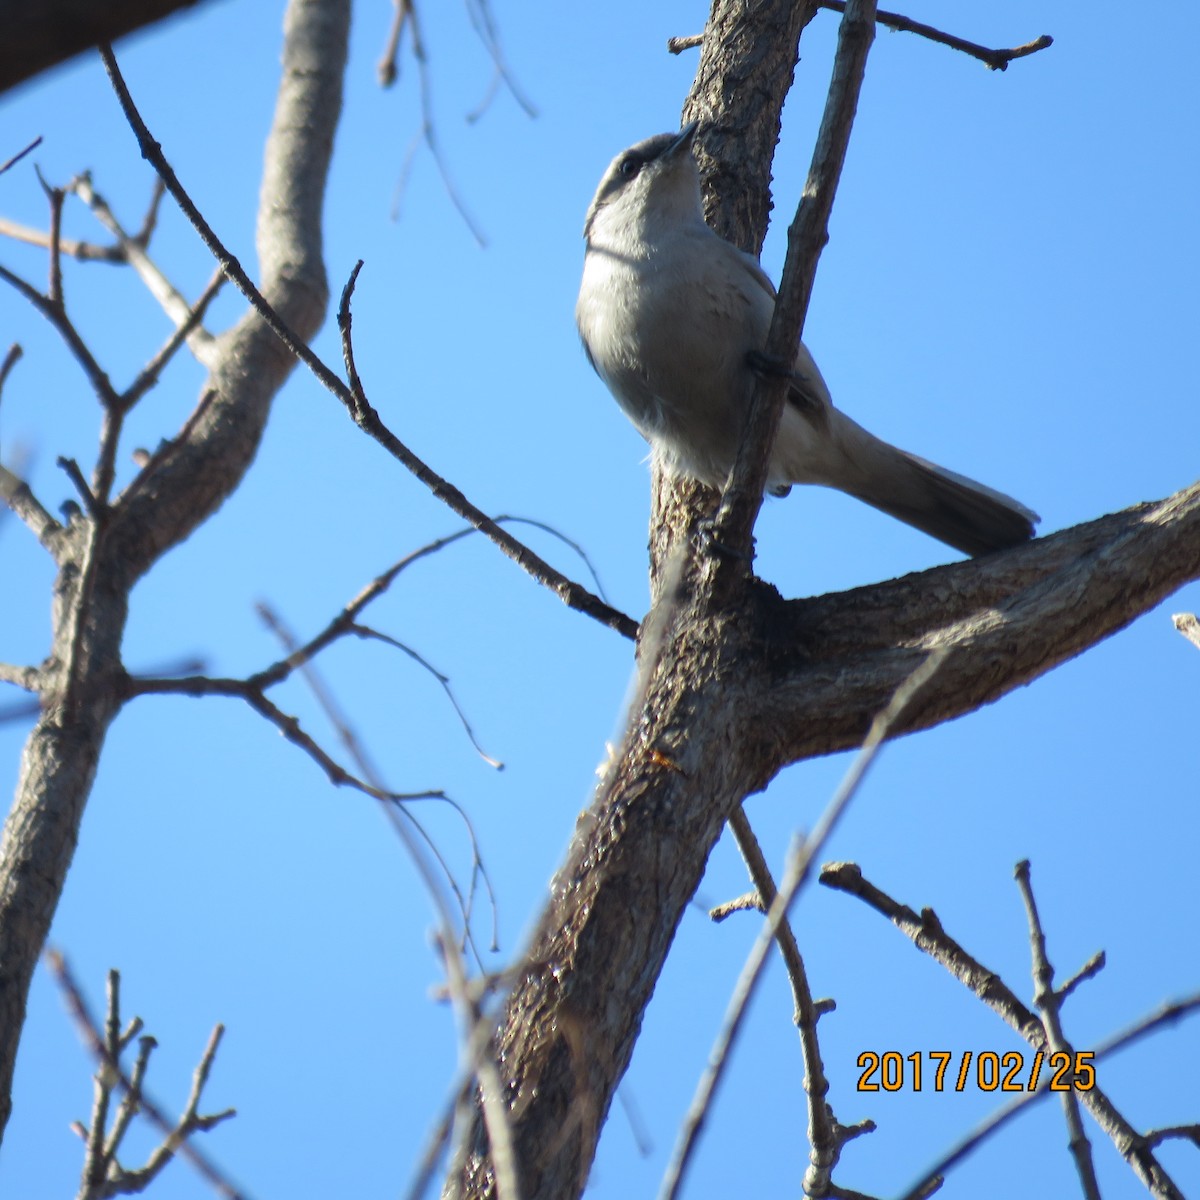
(1009, 290)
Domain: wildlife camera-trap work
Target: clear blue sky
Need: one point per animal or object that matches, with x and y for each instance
(1010, 289)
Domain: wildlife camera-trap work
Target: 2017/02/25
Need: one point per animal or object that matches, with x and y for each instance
(993, 1072)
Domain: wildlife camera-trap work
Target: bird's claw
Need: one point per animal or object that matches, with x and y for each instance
(708, 541)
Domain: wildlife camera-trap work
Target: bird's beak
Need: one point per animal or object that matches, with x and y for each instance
(683, 143)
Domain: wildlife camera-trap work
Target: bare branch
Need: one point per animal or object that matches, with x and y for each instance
(81, 251)
(11, 358)
(476, 1033)
(95, 508)
(20, 154)
(361, 411)
(428, 131)
(994, 60)
(132, 249)
(15, 492)
(743, 493)
(353, 745)
(800, 861)
(103, 1176)
(28, 678)
(1089, 970)
(825, 1143)
(480, 12)
(40, 35)
(367, 419)
(1189, 1133)
(57, 317)
(927, 935)
(55, 196)
(1050, 1002)
(925, 931)
(386, 69)
(1135, 1148)
(114, 416)
(191, 324)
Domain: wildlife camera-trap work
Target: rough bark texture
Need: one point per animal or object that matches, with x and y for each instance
(738, 683)
(38, 36)
(81, 684)
(739, 693)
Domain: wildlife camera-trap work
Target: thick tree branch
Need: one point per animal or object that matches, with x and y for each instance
(38, 36)
(1007, 619)
(82, 687)
(742, 693)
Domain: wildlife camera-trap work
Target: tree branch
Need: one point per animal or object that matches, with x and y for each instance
(1007, 619)
(99, 562)
(38, 36)
(994, 60)
(743, 494)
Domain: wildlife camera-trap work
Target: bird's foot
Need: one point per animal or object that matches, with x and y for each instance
(707, 540)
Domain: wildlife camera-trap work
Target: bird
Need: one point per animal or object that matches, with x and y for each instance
(674, 320)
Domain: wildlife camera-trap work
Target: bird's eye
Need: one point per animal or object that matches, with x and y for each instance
(630, 165)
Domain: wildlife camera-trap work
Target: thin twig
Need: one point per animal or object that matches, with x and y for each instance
(353, 746)
(289, 726)
(927, 935)
(16, 158)
(365, 631)
(367, 419)
(11, 358)
(476, 1035)
(386, 69)
(150, 220)
(995, 60)
(571, 593)
(822, 1127)
(177, 1133)
(95, 508)
(428, 131)
(81, 251)
(1160, 1186)
(147, 377)
(1089, 970)
(132, 250)
(480, 12)
(799, 864)
(57, 317)
(1049, 1002)
(808, 234)
(55, 196)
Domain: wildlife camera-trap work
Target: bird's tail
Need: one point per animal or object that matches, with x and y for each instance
(969, 516)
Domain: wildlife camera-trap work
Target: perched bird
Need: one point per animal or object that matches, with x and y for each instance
(672, 317)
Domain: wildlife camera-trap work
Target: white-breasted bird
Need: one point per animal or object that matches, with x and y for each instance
(671, 316)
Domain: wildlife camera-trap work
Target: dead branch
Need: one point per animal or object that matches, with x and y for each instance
(103, 1176)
